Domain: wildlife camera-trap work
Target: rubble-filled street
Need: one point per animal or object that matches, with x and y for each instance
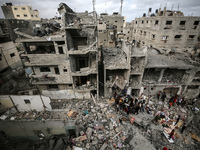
(108, 124)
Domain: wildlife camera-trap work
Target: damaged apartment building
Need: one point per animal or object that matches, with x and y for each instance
(64, 66)
(59, 66)
(173, 55)
(166, 30)
(156, 60)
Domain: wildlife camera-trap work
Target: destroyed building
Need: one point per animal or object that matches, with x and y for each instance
(64, 66)
(110, 29)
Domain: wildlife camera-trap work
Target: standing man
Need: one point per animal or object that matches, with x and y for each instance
(177, 120)
(163, 96)
(183, 128)
(171, 134)
(158, 95)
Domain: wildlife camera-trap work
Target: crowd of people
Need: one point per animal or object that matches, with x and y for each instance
(175, 99)
(130, 104)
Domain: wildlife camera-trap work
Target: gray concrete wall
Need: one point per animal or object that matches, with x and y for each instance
(10, 56)
(24, 130)
(146, 27)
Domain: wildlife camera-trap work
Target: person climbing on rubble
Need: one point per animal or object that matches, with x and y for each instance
(174, 101)
(120, 103)
(163, 96)
(158, 95)
(179, 101)
(143, 106)
(183, 128)
(177, 120)
(164, 148)
(140, 106)
(136, 109)
(148, 109)
(170, 104)
(115, 94)
(171, 134)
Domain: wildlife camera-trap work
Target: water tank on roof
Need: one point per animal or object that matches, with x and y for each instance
(8, 4)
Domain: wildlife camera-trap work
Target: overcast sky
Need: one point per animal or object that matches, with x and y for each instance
(131, 8)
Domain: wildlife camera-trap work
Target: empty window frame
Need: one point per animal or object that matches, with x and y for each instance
(36, 16)
(64, 70)
(168, 22)
(45, 69)
(165, 37)
(115, 20)
(0, 57)
(182, 22)
(15, 8)
(100, 31)
(191, 36)
(156, 22)
(27, 101)
(23, 8)
(142, 21)
(177, 36)
(12, 54)
(18, 15)
(136, 22)
(53, 87)
(153, 36)
(25, 15)
(145, 33)
(196, 23)
(60, 42)
(60, 49)
(56, 70)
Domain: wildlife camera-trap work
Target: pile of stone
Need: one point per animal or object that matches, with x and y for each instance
(98, 126)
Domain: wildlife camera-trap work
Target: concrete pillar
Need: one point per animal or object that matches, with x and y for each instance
(105, 81)
(184, 90)
(179, 91)
(56, 47)
(161, 75)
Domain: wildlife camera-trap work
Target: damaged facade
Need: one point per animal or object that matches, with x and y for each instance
(20, 12)
(64, 66)
(167, 30)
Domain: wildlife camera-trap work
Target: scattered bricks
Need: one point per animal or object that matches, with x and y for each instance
(82, 138)
(104, 146)
(89, 132)
(70, 113)
(81, 133)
